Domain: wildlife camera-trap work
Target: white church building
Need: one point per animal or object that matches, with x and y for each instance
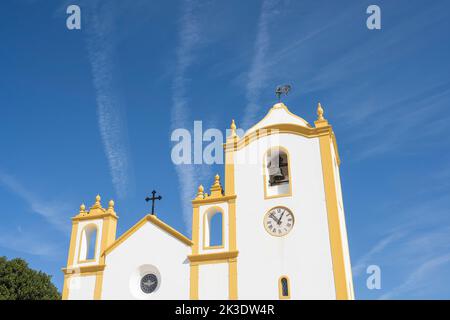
(282, 221)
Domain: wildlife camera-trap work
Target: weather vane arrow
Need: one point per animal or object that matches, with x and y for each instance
(282, 89)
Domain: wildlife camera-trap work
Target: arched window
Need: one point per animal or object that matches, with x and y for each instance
(284, 290)
(213, 229)
(88, 243)
(277, 173)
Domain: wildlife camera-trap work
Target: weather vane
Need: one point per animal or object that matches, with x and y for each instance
(153, 198)
(284, 89)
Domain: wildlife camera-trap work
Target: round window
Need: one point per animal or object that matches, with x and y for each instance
(149, 283)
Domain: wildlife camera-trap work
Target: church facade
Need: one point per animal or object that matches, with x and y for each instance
(281, 215)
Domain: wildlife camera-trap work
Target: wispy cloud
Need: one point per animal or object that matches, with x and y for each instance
(51, 211)
(257, 75)
(417, 277)
(363, 262)
(29, 243)
(412, 249)
(111, 113)
(189, 39)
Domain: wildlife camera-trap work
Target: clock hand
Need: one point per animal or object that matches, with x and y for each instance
(273, 217)
(279, 220)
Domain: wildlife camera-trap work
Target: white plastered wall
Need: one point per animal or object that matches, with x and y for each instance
(81, 287)
(147, 249)
(213, 281)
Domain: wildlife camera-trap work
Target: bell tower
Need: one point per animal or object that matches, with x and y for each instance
(93, 231)
(213, 265)
(290, 222)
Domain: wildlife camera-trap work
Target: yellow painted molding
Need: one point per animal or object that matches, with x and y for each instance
(213, 200)
(193, 279)
(229, 173)
(96, 211)
(232, 279)
(72, 245)
(213, 256)
(98, 286)
(83, 269)
(96, 216)
(232, 225)
(65, 291)
(276, 106)
(195, 229)
(169, 229)
(336, 152)
(335, 232)
(154, 220)
(276, 129)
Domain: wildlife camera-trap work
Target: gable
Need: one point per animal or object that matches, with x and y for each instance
(160, 229)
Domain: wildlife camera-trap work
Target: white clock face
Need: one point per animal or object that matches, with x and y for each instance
(279, 221)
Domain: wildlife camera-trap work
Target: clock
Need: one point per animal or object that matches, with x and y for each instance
(279, 221)
(149, 283)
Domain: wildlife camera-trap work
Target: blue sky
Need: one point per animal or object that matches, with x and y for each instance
(91, 111)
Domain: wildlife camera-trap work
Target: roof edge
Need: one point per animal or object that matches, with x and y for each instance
(155, 221)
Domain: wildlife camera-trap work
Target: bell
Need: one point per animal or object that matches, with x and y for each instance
(275, 173)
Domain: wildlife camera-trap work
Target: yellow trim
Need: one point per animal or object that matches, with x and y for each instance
(213, 200)
(87, 249)
(205, 218)
(229, 170)
(95, 216)
(213, 256)
(276, 129)
(280, 288)
(335, 232)
(193, 288)
(195, 229)
(65, 290)
(232, 276)
(232, 225)
(72, 245)
(276, 106)
(153, 219)
(266, 216)
(98, 286)
(83, 269)
(289, 194)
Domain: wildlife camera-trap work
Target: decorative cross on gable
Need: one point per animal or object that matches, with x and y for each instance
(153, 198)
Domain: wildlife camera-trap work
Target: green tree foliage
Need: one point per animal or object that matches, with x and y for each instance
(19, 282)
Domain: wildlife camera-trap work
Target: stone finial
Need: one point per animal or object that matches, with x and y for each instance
(97, 203)
(200, 193)
(233, 128)
(319, 112)
(216, 189)
(321, 121)
(111, 204)
(82, 208)
(216, 180)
